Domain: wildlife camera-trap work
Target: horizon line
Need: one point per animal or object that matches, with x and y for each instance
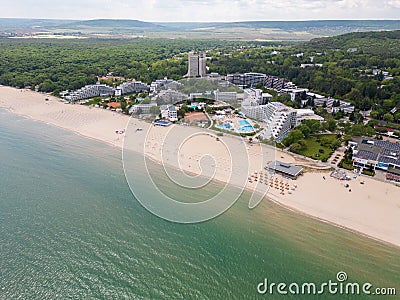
(234, 21)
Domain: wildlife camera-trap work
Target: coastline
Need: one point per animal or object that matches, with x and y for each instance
(370, 210)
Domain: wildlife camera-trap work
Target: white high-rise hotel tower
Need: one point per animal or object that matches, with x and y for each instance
(197, 65)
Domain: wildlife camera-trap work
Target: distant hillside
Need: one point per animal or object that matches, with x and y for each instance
(324, 27)
(385, 43)
(246, 31)
(18, 24)
(113, 23)
(350, 25)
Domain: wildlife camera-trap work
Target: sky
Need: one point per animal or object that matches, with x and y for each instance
(202, 10)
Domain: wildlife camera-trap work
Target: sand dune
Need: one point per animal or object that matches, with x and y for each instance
(372, 208)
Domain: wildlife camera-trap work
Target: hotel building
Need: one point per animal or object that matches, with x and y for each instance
(280, 119)
(130, 87)
(376, 154)
(90, 91)
(197, 65)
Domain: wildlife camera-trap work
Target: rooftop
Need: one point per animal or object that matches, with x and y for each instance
(285, 168)
(383, 151)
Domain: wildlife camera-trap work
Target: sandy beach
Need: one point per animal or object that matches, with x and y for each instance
(372, 208)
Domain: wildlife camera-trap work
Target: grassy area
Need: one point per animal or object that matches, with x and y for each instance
(93, 102)
(319, 147)
(346, 165)
(369, 172)
(233, 132)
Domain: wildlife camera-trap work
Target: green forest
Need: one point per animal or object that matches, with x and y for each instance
(57, 65)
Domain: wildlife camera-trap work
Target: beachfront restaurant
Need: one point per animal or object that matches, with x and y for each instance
(287, 170)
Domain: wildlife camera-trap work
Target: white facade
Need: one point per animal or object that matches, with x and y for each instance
(194, 96)
(90, 91)
(160, 83)
(142, 108)
(346, 108)
(306, 114)
(311, 65)
(96, 90)
(171, 96)
(294, 93)
(251, 109)
(225, 96)
(280, 119)
(169, 112)
(132, 86)
(258, 95)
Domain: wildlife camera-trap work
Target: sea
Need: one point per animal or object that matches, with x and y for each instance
(71, 228)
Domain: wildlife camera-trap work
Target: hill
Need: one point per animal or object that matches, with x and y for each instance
(112, 23)
(383, 43)
(246, 31)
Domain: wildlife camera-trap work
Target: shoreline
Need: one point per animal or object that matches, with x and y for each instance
(97, 124)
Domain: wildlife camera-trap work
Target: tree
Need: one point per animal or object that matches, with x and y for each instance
(374, 114)
(123, 104)
(313, 125)
(304, 129)
(293, 137)
(388, 117)
(361, 129)
(354, 95)
(146, 101)
(336, 144)
(155, 110)
(47, 86)
(397, 117)
(296, 148)
(366, 104)
(310, 102)
(331, 125)
(285, 98)
(184, 108)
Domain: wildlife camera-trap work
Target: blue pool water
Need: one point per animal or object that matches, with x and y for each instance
(224, 126)
(247, 128)
(243, 123)
(162, 123)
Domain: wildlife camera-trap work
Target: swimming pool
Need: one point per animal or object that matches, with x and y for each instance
(243, 123)
(224, 126)
(247, 128)
(162, 123)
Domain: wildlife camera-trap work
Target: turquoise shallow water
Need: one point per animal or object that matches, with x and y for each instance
(70, 228)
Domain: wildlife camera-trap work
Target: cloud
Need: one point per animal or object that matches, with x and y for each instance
(203, 10)
(394, 3)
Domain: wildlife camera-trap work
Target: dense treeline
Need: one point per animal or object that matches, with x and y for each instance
(382, 44)
(56, 65)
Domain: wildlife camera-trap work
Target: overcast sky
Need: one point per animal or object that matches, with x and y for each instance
(202, 10)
